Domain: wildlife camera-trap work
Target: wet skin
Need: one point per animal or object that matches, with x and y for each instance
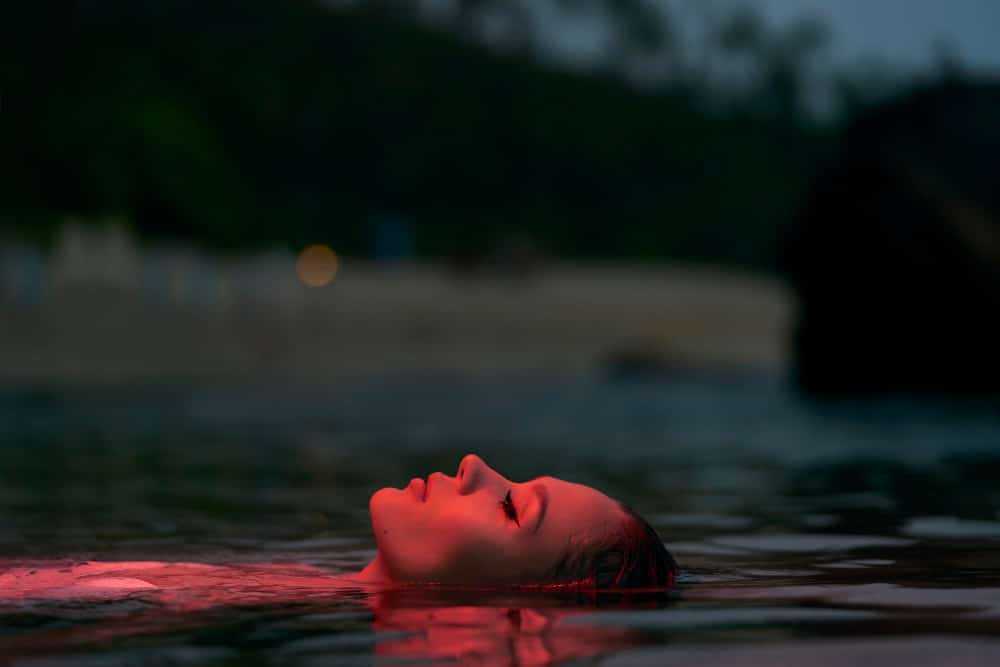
(187, 598)
(459, 530)
(453, 530)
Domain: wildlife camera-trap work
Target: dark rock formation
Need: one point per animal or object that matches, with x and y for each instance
(895, 253)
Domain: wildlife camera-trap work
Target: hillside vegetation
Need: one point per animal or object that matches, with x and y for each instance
(237, 125)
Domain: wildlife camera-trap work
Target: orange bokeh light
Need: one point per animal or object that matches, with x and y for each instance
(316, 265)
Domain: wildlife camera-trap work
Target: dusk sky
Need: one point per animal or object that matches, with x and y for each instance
(900, 33)
(903, 31)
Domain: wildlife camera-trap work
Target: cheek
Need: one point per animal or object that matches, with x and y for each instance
(418, 542)
(483, 551)
(465, 552)
(450, 542)
(394, 521)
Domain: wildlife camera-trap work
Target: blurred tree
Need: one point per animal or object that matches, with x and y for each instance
(507, 23)
(241, 124)
(895, 253)
(742, 33)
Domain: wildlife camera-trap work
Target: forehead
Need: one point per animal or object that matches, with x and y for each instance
(577, 505)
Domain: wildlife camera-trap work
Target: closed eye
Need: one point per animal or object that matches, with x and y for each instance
(508, 507)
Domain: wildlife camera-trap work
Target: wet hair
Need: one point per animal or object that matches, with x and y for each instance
(631, 555)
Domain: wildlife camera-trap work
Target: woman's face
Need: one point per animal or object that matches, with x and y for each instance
(462, 529)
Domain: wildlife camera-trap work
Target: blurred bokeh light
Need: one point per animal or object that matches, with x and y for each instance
(316, 265)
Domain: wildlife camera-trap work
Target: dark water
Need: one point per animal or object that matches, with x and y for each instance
(842, 533)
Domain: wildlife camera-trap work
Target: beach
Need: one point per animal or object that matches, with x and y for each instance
(255, 320)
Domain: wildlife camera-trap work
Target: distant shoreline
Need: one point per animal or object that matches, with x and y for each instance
(566, 319)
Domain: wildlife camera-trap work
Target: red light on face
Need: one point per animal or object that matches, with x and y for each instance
(418, 488)
(480, 528)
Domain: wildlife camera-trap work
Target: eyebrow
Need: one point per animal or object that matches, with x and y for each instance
(543, 504)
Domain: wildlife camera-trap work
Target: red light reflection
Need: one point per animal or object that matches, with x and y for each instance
(493, 636)
(472, 627)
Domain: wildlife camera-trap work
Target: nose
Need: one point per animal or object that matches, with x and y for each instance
(473, 473)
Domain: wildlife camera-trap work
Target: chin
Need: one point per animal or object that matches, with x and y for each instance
(392, 513)
(403, 555)
(380, 506)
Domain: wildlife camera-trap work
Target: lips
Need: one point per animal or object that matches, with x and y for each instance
(418, 488)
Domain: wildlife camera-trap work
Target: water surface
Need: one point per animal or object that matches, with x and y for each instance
(829, 533)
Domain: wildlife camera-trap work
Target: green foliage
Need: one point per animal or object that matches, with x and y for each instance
(245, 124)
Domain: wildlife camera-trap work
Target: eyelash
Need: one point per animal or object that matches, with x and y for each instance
(508, 507)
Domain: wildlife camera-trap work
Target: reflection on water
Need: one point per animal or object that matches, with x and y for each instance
(806, 533)
(482, 634)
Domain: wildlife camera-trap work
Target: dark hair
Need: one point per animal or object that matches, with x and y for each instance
(630, 556)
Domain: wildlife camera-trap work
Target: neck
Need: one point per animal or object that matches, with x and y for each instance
(374, 572)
